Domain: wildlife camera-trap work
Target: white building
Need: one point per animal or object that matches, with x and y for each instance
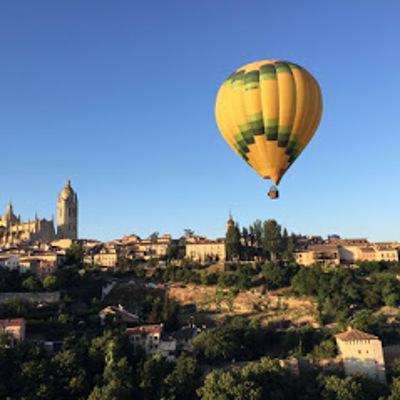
(151, 339)
(362, 352)
(10, 262)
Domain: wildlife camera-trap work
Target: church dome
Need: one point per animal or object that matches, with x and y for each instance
(9, 216)
(67, 192)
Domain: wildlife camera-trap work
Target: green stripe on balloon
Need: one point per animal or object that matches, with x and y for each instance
(267, 72)
(282, 67)
(271, 128)
(237, 79)
(284, 135)
(257, 124)
(247, 133)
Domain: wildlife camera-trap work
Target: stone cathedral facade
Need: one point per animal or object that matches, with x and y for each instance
(14, 231)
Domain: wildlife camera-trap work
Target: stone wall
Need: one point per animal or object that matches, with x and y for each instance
(38, 297)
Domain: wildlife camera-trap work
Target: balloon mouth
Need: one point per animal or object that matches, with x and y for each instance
(274, 175)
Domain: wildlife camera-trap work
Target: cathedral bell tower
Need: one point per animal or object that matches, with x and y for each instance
(67, 213)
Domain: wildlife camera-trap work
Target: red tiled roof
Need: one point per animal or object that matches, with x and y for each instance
(354, 334)
(144, 329)
(12, 322)
(367, 250)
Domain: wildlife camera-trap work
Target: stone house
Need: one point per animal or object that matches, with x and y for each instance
(14, 329)
(152, 340)
(362, 352)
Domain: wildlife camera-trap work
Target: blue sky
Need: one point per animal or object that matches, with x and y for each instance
(119, 96)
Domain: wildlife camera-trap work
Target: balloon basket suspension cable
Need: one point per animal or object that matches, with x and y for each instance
(273, 192)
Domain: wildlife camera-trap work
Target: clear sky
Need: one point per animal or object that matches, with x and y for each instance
(119, 96)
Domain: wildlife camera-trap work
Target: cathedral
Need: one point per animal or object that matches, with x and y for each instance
(14, 231)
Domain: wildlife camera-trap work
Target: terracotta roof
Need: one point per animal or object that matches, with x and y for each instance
(354, 334)
(367, 250)
(11, 322)
(385, 248)
(208, 241)
(144, 329)
(323, 247)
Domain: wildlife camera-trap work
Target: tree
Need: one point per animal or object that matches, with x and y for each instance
(288, 250)
(259, 380)
(173, 252)
(228, 386)
(256, 233)
(181, 383)
(155, 314)
(50, 283)
(325, 349)
(14, 307)
(152, 376)
(394, 389)
(154, 236)
(246, 250)
(276, 275)
(74, 255)
(232, 242)
(272, 238)
(365, 320)
(32, 284)
(169, 313)
(335, 388)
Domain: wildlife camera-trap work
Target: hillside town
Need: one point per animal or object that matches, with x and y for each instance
(257, 299)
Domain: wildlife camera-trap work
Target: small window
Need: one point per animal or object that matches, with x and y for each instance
(359, 351)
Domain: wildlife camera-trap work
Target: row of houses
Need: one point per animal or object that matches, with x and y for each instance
(44, 259)
(40, 263)
(198, 248)
(337, 251)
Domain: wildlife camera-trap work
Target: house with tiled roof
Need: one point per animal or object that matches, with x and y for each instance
(202, 249)
(361, 353)
(152, 340)
(14, 329)
(119, 313)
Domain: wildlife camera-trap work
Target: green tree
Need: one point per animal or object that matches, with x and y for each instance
(256, 233)
(156, 311)
(232, 242)
(336, 388)
(173, 252)
(325, 349)
(50, 283)
(181, 383)
(276, 274)
(152, 376)
(394, 389)
(226, 385)
(74, 255)
(272, 238)
(367, 321)
(32, 284)
(154, 236)
(169, 313)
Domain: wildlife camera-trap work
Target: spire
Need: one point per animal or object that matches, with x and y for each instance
(68, 184)
(230, 222)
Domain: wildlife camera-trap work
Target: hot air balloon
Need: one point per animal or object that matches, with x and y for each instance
(268, 111)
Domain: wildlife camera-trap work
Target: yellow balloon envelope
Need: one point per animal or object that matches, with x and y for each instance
(268, 111)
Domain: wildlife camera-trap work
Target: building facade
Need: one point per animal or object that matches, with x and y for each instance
(152, 340)
(203, 250)
(14, 329)
(362, 353)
